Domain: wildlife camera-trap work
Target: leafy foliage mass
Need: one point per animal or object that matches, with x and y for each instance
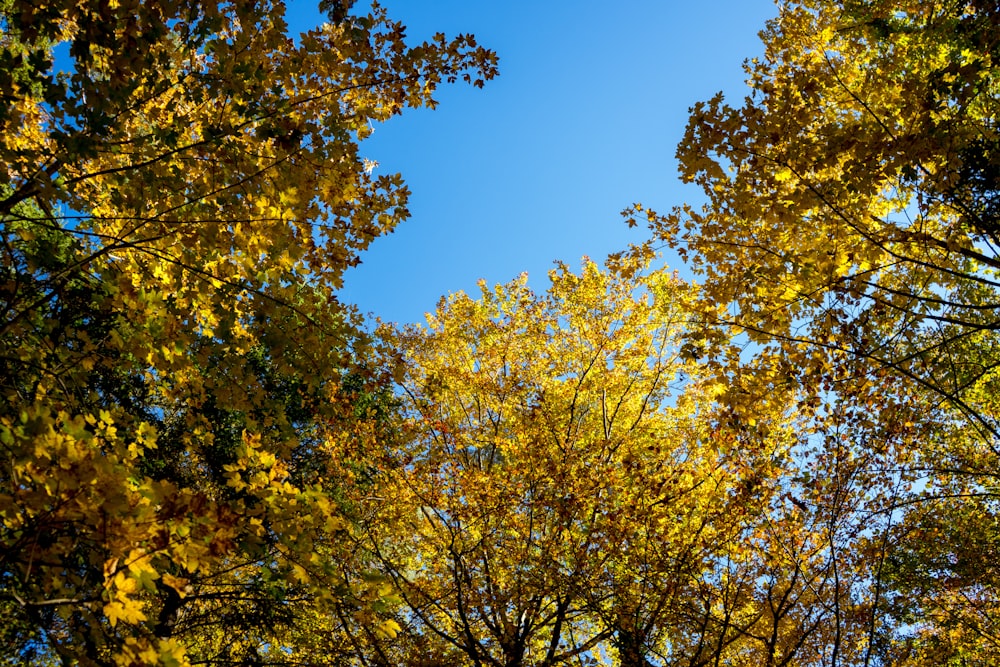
(850, 243)
(182, 194)
(206, 459)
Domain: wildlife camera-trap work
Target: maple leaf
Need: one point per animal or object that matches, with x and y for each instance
(129, 611)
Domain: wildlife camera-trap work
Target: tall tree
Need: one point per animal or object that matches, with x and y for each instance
(564, 489)
(182, 193)
(850, 237)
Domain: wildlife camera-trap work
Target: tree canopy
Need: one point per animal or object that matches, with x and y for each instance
(183, 191)
(545, 503)
(207, 458)
(852, 196)
(849, 241)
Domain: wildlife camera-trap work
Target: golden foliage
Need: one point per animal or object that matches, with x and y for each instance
(178, 207)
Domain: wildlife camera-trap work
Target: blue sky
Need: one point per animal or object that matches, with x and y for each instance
(583, 120)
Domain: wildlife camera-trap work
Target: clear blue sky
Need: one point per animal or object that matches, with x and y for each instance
(583, 120)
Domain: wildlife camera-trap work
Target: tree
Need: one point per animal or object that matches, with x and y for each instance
(851, 201)
(521, 516)
(179, 203)
(563, 488)
(850, 238)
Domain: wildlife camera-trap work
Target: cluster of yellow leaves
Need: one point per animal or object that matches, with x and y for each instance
(850, 204)
(566, 484)
(177, 208)
(848, 257)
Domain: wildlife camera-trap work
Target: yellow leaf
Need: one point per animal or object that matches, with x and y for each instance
(387, 629)
(129, 611)
(179, 584)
